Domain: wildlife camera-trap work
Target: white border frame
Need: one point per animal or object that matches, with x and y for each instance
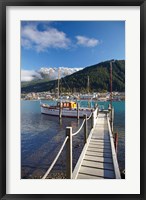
(130, 185)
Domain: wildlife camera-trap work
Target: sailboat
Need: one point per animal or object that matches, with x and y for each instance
(67, 108)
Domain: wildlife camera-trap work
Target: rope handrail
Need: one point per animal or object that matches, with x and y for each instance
(82, 124)
(90, 116)
(79, 128)
(56, 158)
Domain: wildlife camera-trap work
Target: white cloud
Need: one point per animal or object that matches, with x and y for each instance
(32, 37)
(50, 73)
(86, 42)
(29, 75)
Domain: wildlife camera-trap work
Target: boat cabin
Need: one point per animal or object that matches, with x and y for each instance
(67, 104)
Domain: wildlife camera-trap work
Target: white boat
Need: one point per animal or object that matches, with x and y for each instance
(68, 109)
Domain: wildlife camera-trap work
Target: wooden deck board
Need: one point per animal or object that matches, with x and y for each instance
(97, 153)
(97, 158)
(97, 165)
(107, 146)
(99, 150)
(86, 176)
(97, 172)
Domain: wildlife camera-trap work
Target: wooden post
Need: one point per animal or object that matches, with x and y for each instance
(113, 114)
(60, 110)
(97, 112)
(109, 109)
(95, 105)
(78, 111)
(60, 121)
(85, 129)
(116, 142)
(69, 153)
(112, 119)
(92, 121)
(94, 117)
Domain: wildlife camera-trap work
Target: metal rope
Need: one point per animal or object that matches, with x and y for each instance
(79, 128)
(56, 158)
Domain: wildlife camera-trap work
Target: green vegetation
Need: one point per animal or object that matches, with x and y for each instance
(99, 76)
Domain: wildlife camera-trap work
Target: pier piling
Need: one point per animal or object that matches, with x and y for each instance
(116, 142)
(60, 111)
(93, 119)
(78, 116)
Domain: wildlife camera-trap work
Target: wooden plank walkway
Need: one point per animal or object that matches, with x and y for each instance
(98, 159)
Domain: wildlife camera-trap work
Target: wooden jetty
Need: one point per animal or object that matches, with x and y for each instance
(98, 159)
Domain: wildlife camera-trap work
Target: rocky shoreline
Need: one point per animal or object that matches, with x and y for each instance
(54, 175)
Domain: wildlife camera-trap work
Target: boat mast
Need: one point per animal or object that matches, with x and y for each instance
(88, 85)
(58, 82)
(111, 83)
(111, 95)
(111, 78)
(88, 92)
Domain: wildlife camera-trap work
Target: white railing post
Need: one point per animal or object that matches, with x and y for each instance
(69, 153)
(85, 129)
(93, 119)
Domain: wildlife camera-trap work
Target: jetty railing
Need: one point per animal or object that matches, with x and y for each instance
(68, 143)
(114, 154)
(111, 116)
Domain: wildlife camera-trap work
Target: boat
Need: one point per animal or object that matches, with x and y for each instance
(67, 109)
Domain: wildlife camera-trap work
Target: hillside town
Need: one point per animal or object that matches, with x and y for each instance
(116, 96)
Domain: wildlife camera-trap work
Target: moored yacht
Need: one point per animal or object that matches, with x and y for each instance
(68, 109)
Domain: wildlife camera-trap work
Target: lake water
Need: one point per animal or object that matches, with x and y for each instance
(43, 135)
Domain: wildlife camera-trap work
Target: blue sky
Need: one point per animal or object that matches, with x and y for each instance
(70, 43)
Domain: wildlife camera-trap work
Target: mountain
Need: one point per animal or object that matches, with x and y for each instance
(99, 76)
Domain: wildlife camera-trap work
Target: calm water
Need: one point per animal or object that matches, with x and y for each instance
(43, 135)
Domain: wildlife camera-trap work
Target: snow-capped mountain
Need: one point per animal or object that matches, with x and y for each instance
(50, 73)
